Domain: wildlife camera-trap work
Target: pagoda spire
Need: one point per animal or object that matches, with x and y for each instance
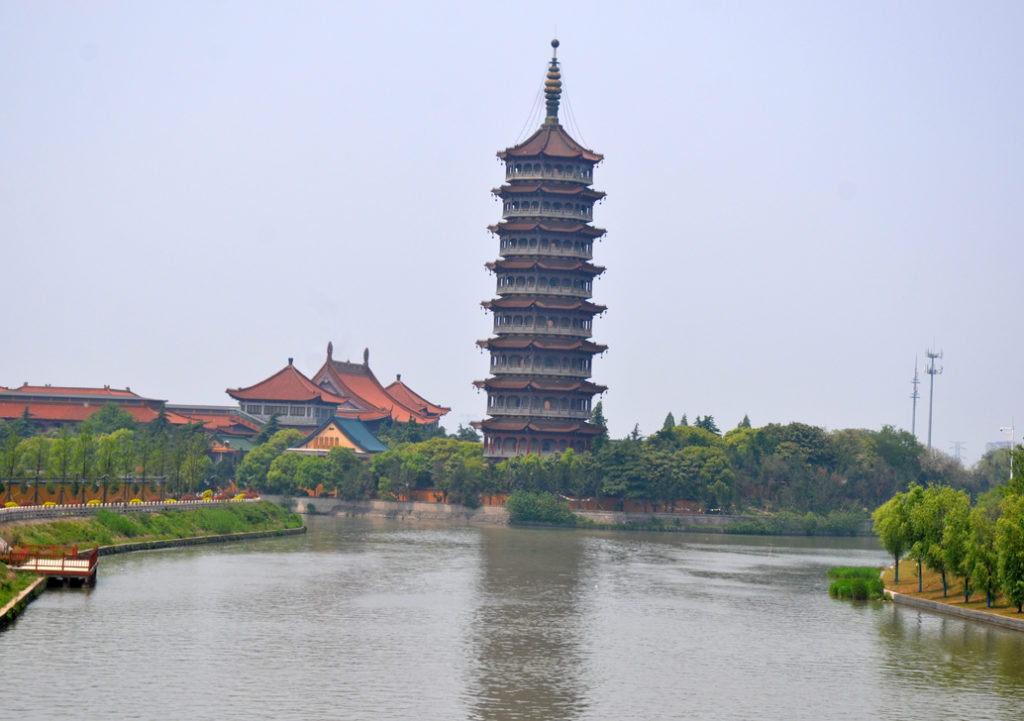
(553, 86)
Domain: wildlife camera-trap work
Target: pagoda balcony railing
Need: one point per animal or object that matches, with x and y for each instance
(523, 329)
(545, 253)
(585, 215)
(568, 177)
(538, 413)
(532, 290)
(539, 370)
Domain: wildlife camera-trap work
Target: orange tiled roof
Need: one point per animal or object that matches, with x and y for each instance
(545, 426)
(552, 141)
(563, 264)
(411, 399)
(231, 423)
(545, 304)
(537, 384)
(288, 384)
(551, 226)
(357, 381)
(75, 391)
(526, 188)
(75, 412)
(520, 343)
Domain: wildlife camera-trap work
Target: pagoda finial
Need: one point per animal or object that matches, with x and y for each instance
(553, 86)
(330, 350)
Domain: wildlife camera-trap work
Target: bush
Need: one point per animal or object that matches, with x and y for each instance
(858, 583)
(527, 507)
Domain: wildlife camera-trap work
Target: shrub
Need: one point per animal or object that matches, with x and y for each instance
(858, 583)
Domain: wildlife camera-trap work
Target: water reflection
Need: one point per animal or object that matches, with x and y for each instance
(968, 667)
(525, 632)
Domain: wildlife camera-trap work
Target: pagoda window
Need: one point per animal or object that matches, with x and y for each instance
(544, 242)
(531, 281)
(533, 242)
(297, 411)
(558, 207)
(546, 446)
(565, 322)
(254, 408)
(520, 281)
(523, 242)
(549, 362)
(543, 283)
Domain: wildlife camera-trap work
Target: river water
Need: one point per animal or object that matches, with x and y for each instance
(362, 619)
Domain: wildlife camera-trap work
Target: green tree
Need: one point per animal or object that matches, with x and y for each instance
(1010, 546)
(34, 455)
(956, 539)
(269, 429)
(892, 526)
(983, 555)
(283, 475)
(311, 472)
(597, 418)
(708, 424)
(195, 462)
(466, 433)
(745, 423)
(108, 419)
(62, 457)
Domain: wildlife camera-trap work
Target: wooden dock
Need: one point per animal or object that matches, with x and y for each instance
(61, 563)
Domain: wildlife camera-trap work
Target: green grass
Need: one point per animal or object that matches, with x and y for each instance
(857, 583)
(108, 528)
(13, 583)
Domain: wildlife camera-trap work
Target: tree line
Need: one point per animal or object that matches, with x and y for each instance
(980, 544)
(108, 451)
(794, 468)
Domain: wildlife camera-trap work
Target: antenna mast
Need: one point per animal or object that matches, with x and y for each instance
(915, 395)
(932, 371)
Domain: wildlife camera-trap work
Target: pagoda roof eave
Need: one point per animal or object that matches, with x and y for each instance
(553, 190)
(520, 343)
(552, 304)
(552, 141)
(549, 226)
(538, 426)
(555, 264)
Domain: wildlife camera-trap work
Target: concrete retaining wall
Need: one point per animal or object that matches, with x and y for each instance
(401, 510)
(949, 610)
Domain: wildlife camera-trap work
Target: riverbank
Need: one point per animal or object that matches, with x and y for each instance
(125, 532)
(930, 598)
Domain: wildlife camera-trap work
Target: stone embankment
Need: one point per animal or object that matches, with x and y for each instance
(947, 609)
(485, 515)
(399, 510)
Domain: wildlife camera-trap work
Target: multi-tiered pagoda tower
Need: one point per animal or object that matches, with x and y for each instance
(539, 395)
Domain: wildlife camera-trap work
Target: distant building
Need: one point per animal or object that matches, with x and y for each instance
(539, 394)
(338, 389)
(996, 445)
(340, 433)
(55, 406)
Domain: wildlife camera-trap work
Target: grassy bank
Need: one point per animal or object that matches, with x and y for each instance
(108, 528)
(12, 583)
(931, 590)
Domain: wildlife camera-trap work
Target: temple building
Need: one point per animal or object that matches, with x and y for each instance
(339, 389)
(51, 406)
(539, 394)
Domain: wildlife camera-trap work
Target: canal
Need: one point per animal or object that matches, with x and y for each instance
(363, 619)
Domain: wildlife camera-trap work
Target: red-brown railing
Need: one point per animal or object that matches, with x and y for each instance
(21, 555)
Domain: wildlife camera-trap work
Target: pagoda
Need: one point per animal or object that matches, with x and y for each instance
(539, 394)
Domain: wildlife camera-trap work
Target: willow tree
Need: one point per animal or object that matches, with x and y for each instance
(892, 526)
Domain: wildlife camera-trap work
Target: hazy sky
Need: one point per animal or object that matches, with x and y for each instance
(802, 197)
